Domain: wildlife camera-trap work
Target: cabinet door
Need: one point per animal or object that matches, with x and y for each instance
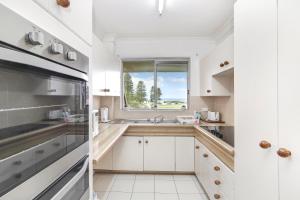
(113, 83)
(289, 97)
(128, 154)
(205, 165)
(197, 159)
(185, 154)
(106, 162)
(256, 169)
(159, 153)
(77, 17)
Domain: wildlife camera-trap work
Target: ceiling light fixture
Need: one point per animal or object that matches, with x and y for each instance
(161, 6)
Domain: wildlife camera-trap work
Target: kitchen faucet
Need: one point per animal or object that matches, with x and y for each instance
(160, 117)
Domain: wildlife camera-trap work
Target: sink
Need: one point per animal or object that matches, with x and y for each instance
(145, 121)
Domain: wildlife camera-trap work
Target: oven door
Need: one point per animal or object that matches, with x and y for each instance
(74, 184)
(44, 117)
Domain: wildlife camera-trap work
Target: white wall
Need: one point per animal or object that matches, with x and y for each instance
(193, 48)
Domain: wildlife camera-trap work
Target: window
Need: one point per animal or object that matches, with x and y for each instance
(155, 85)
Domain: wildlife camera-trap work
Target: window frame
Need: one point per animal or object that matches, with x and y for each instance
(156, 61)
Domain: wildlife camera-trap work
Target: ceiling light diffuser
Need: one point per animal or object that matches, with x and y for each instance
(161, 6)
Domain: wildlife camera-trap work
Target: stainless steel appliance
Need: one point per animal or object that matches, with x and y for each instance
(44, 114)
(95, 122)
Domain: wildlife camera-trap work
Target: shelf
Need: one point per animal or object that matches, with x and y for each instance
(225, 73)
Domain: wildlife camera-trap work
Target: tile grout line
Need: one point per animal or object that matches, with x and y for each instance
(115, 178)
(133, 187)
(176, 187)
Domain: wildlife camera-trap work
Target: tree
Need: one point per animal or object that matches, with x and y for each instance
(152, 94)
(128, 87)
(141, 93)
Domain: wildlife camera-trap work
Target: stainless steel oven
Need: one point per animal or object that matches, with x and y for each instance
(44, 114)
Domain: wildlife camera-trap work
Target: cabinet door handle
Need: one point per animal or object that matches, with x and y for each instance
(63, 3)
(217, 168)
(222, 65)
(197, 147)
(208, 91)
(217, 196)
(146, 142)
(140, 141)
(205, 155)
(226, 62)
(217, 182)
(284, 153)
(265, 144)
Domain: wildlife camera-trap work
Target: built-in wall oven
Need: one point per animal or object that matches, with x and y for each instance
(44, 114)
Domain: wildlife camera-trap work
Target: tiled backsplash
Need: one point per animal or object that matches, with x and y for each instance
(222, 104)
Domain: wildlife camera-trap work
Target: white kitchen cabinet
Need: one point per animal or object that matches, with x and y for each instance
(289, 97)
(128, 154)
(185, 153)
(197, 159)
(106, 69)
(159, 153)
(77, 17)
(31, 11)
(216, 70)
(267, 70)
(106, 162)
(204, 166)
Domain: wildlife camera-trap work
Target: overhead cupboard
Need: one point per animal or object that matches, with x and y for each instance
(267, 40)
(217, 70)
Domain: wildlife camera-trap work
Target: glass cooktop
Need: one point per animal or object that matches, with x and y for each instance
(225, 133)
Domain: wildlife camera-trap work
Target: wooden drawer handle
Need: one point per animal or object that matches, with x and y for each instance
(217, 196)
(140, 142)
(226, 62)
(146, 142)
(208, 91)
(197, 147)
(284, 153)
(63, 3)
(222, 65)
(265, 144)
(205, 155)
(217, 182)
(217, 168)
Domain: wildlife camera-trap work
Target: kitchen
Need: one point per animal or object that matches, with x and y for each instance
(156, 99)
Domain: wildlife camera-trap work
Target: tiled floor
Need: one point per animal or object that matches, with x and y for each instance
(147, 187)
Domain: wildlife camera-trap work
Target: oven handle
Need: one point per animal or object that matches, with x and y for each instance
(25, 58)
(64, 190)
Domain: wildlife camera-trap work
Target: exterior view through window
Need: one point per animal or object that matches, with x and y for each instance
(155, 84)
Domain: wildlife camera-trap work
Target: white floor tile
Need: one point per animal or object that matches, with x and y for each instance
(162, 186)
(102, 184)
(186, 187)
(199, 187)
(184, 177)
(125, 177)
(142, 196)
(102, 195)
(122, 186)
(164, 177)
(144, 177)
(191, 197)
(119, 196)
(159, 196)
(144, 186)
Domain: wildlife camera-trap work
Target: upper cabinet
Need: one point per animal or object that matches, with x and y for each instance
(106, 70)
(216, 70)
(74, 14)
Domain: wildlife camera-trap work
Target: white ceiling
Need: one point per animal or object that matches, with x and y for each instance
(140, 18)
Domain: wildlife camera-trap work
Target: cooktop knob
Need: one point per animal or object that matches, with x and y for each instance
(35, 38)
(72, 55)
(57, 48)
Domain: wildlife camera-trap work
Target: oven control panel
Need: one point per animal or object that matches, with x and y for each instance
(21, 33)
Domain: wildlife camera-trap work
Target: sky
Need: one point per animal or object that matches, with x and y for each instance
(172, 84)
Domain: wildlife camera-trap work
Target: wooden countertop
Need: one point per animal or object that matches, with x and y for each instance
(110, 133)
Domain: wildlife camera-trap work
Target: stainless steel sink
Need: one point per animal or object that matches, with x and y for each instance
(145, 121)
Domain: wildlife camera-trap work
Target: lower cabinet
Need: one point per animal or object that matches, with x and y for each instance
(159, 153)
(128, 154)
(216, 178)
(184, 150)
